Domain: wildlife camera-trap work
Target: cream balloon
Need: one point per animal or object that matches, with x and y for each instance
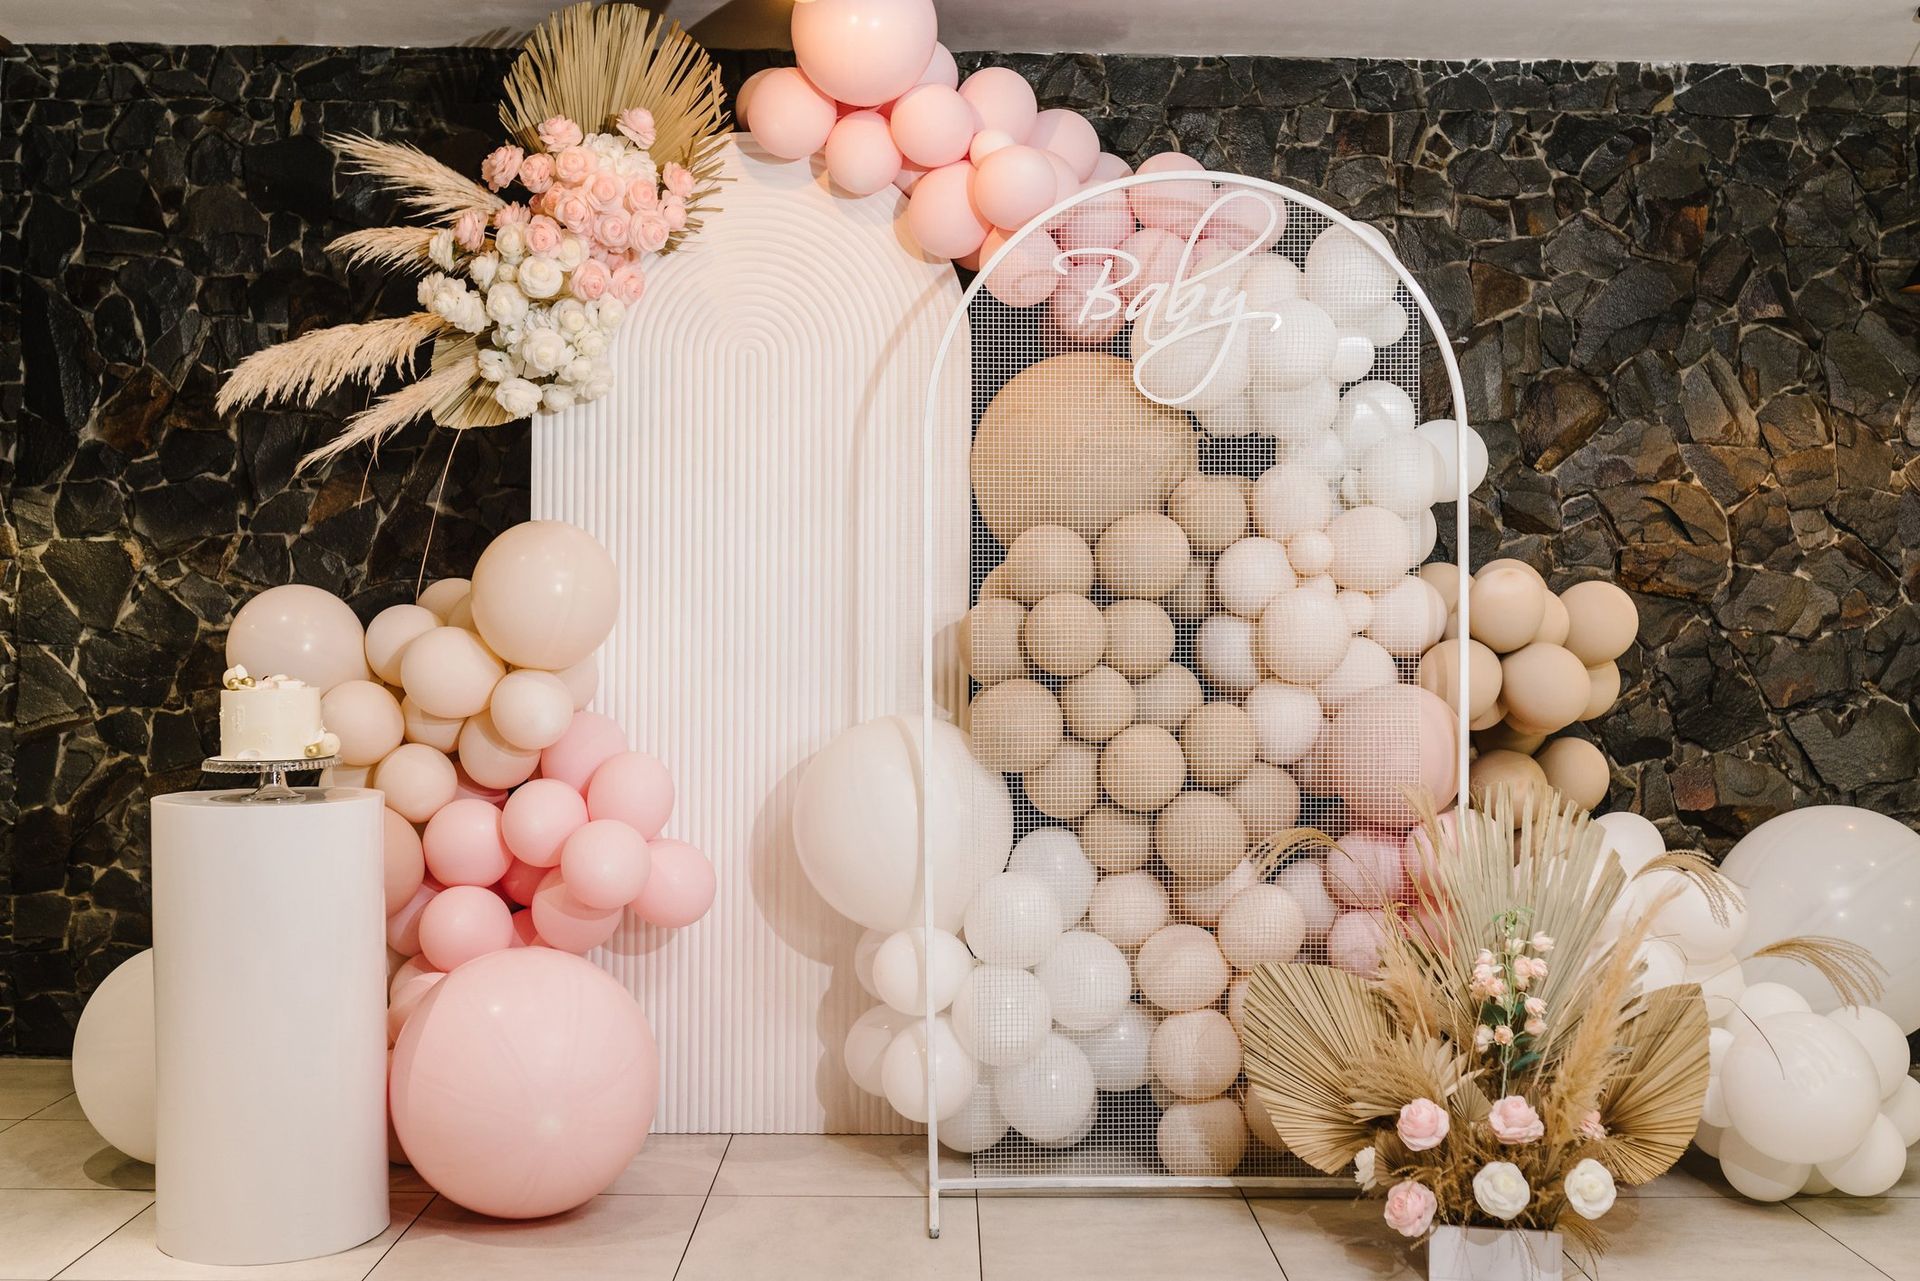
(441, 597)
(1047, 1097)
(1087, 980)
(903, 1071)
(1000, 1014)
(1873, 1167)
(908, 972)
(389, 634)
(449, 672)
(417, 779)
(442, 733)
(299, 631)
(1799, 1088)
(114, 1071)
(531, 709)
(490, 759)
(544, 594)
(366, 718)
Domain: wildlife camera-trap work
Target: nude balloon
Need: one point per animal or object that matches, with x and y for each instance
(531, 709)
(440, 597)
(861, 155)
(538, 818)
(299, 631)
(448, 672)
(1003, 99)
(490, 759)
(366, 719)
(544, 594)
(788, 115)
(589, 741)
(403, 858)
(679, 889)
(941, 213)
(389, 634)
(634, 788)
(417, 780)
(864, 52)
(442, 733)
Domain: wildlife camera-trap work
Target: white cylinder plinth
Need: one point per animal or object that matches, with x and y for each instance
(270, 1022)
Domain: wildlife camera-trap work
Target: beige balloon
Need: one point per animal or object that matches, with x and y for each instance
(1015, 725)
(1193, 599)
(1444, 577)
(1554, 622)
(1142, 554)
(417, 779)
(442, 733)
(449, 672)
(1219, 744)
(1180, 968)
(489, 759)
(1605, 678)
(1577, 768)
(1268, 800)
(1545, 687)
(1140, 638)
(1167, 697)
(1068, 784)
(1440, 674)
(1115, 840)
(1212, 510)
(299, 631)
(1503, 737)
(1047, 559)
(531, 709)
(582, 680)
(990, 641)
(545, 594)
(1504, 606)
(1493, 770)
(442, 596)
(1097, 705)
(1601, 621)
(366, 719)
(389, 634)
(1199, 836)
(1142, 768)
(1064, 634)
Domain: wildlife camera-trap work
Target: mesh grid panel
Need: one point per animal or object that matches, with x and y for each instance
(1195, 621)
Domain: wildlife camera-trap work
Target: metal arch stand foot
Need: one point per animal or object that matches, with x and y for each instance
(933, 1213)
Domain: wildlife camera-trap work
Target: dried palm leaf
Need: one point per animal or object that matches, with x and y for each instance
(384, 246)
(1308, 1030)
(448, 385)
(431, 188)
(1856, 976)
(310, 366)
(1653, 1106)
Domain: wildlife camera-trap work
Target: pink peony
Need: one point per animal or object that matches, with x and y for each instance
(1591, 1126)
(650, 233)
(1423, 1124)
(678, 180)
(470, 230)
(536, 172)
(605, 190)
(501, 166)
(543, 235)
(1410, 1208)
(590, 280)
(574, 165)
(636, 125)
(627, 284)
(641, 197)
(573, 211)
(611, 230)
(675, 216)
(557, 133)
(1514, 1121)
(513, 215)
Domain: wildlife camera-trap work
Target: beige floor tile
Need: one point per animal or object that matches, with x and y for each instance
(1320, 1239)
(1697, 1175)
(1885, 1231)
(632, 1238)
(824, 1238)
(404, 1178)
(66, 1109)
(27, 1085)
(829, 1165)
(67, 1154)
(1120, 1239)
(673, 1165)
(131, 1255)
(43, 1230)
(1688, 1238)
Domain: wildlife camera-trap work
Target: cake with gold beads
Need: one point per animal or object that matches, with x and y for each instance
(272, 718)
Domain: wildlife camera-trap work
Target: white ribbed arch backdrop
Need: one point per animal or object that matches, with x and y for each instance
(756, 473)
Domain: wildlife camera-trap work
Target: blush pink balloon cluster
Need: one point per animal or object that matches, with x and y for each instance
(881, 100)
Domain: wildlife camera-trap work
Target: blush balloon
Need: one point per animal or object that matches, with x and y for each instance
(490, 759)
(1098, 222)
(406, 998)
(1171, 206)
(789, 116)
(524, 934)
(405, 861)
(1158, 253)
(1075, 320)
(520, 882)
(531, 709)
(403, 927)
(1004, 100)
(605, 864)
(389, 634)
(941, 69)
(441, 597)
(463, 845)
(539, 816)
(366, 719)
(464, 922)
(465, 788)
(941, 213)
(861, 155)
(679, 889)
(1068, 135)
(1108, 167)
(299, 631)
(1013, 184)
(633, 788)
(864, 52)
(564, 922)
(933, 125)
(588, 742)
(544, 595)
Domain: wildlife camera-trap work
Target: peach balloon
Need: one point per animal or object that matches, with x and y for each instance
(1367, 869)
(605, 863)
(789, 116)
(864, 52)
(299, 631)
(1098, 222)
(933, 125)
(405, 862)
(1012, 185)
(941, 69)
(490, 759)
(389, 634)
(531, 708)
(464, 922)
(544, 595)
(743, 99)
(588, 742)
(910, 176)
(448, 672)
(1422, 860)
(1026, 276)
(403, 926)
(582, 680)
(861, 155)
(1004, 100)
(1068, 135)
(634, 788)
(679, 889)
(564, 922)
(539, 817)
(463, 844)
(941, 213)
(417, 779)
(366, 718)
(406, 998)
(439, 732)
(988, 141)
(520, 882)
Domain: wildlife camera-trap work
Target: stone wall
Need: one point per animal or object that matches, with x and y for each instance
(1672, 291)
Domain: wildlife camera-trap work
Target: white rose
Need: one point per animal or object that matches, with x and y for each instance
(611, 312)
(569, 317)
(571, 253)
(541, 277)
(483, 268)
(473, 314)
(517, 396)
(496, 366)
(580, 372)
(557, 397)
(429, 288)
(507, 274)
(1590, 1189)
(609, 145)
(1501, 1190)
(545, 351)
(506, 304)
(511, 242)
(591, 343)
(1363, 1170)
(440, 249)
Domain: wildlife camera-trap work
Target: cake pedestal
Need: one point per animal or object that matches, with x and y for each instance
(270, 1024)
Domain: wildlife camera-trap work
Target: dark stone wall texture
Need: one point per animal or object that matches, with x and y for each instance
(1672, 290)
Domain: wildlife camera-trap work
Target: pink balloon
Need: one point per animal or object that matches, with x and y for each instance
(538, 818)
(861, 156)
(531, 709)
(909, 177)
(1366, 870)
(941, 214)
(465, 788)
(986, 142)
(1248, 220)
(366, 718)
(1026, 276)
(605, 864)
(463, 844)
(1385, 743)
(1067, 134)
(1420, 858)
(490, 759)
(864, 51)
(1066, 183)
(941, 69)
(1095, 222)
(518, 883)
(589, 740)
(789, 116)
(1065, 325)
(742, 100)
(463, 922)
(1012, 185)
(1171, 206)
(417, 780)
(1107, 167)
(403, 927)
(563, 921)
(679, 889)
(1354, 942)
(634, 788)
(524, 935)
(524, 1084)
(299, 631)
(406, 999)
(412, 967)
(1004, 100)
(405, 863)
(1158, 253)
(932, 125)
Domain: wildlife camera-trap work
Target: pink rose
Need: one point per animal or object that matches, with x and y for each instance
(605, 190)
(1591, 1126)
(573, 211)
(641, 197)
(501, 165)
(611, 230)
(678, 180)
(675, 215)
(574, 165)
(513, 215)
(1410, 1208)
(536, 172)
(470, 231)
(1423, 1124)
(557, 133)
(650, 233)
(628, 283)
(1514, 1121)
(543, 235)
(590, 280)
(636, 125)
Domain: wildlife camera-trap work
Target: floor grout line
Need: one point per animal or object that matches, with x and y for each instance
(979, 1240)
(69, 1265)
(1836, 1240)
(1262, 1230)
(711, 1185)
(424, 1207)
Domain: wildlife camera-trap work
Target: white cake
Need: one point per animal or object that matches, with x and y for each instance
(275, 719)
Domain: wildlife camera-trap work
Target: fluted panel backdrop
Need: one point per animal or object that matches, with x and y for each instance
(756, 473)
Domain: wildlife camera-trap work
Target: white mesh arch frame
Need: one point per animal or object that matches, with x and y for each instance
(931, 548)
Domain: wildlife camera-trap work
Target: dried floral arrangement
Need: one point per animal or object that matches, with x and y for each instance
(1504, 1068)
(617, 122)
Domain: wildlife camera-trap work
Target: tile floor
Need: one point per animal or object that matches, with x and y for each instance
(720, 1208)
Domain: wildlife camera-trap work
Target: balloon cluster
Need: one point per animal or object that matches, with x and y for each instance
(882, 99)
(1537, 662)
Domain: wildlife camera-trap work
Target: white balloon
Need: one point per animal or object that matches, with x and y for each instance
(1800, 1089)
(1295, 415)
(1707, 1139)
(1001, 1015)
(1386, 325)
(1371, 412)
(1224, 649)
(1269, 279)
(866, 1045)
(1047, 1097)
(1903, 1109)
(1764, 1000)
(1666, 965)
(1304, 879)
(1203, 1140)
(1885, 1044)
(1014, 919)
(1251, 572)
(1633, 838)
(1118, 1052)
(1348, 275)
(1287, 720)
(1755, 1174)
(1352, 358)
(863, 951)
(1202, 370)
(1713, 1111)
(1295, 351)
(1052, 856)
(1087, 979)
(1842, 872)
(113, 1058)
(903, 1072)
(978, 1124)
(1722, 984)
(1871, 1168)
(908, 971)
(1687, 919)
(1446, 439)
(1397, 474)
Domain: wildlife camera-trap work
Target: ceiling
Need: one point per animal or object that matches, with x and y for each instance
(1854, 32)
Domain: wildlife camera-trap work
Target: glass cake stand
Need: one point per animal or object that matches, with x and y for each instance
(272, 775)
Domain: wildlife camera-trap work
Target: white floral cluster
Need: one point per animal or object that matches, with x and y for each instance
(552, 357)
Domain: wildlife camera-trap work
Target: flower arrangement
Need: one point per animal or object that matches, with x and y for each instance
(617, 124)
(1505, 1068)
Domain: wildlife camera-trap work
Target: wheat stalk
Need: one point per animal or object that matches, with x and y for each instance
(384, 246)
(1856, 976)
(430, 188)
(312, 365)
(452, 381)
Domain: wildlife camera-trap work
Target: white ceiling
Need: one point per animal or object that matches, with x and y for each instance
(1856, 32)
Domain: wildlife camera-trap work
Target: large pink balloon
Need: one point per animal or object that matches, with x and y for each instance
(464, 922)
(933, 125)
(1386, 743)
(1097, 222)
(545, 593)
(417, 779)
(463, 844)
(563, 921)
(788, 115)
(538, 819)
(524, 1083)
(490, 759)
(1067, 135)
(1012, 184)
(864, 52)
(588, 742)
(605, 864)
(1026, 276)
(299, 631)
(366, 718)
(861, 155)
(405, 860)
(1004, 100)
(941, 213)
(633, 788)
(679, 889)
